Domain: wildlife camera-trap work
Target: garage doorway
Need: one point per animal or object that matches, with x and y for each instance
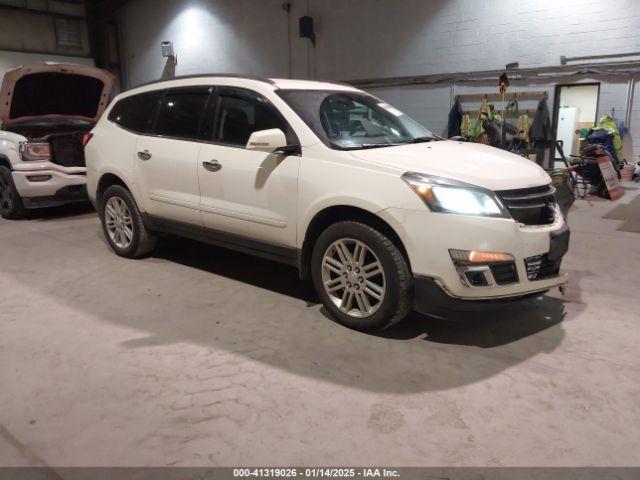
(576, 107)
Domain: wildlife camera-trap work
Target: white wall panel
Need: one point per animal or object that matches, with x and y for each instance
(383, 38)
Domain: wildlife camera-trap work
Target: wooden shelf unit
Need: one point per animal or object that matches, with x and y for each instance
(496, 97)
(529, 111)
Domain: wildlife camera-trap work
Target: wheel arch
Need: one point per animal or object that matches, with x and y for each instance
(107, 180)
(5, 162)
(339, 213)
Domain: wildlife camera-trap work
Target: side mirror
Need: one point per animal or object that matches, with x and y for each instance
(266, 140)
(272, 141)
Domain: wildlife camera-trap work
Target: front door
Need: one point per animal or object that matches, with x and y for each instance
(168, 158)
(244, 192)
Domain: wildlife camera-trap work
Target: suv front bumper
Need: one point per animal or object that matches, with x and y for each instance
(429, 236)
(431, 297)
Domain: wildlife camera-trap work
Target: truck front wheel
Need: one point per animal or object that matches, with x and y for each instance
(11, 206)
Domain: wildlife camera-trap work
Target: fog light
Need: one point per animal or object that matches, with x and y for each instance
(39, 178)
(474, 257)
(477, 278)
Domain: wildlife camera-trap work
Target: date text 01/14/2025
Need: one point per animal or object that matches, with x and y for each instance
(319, 472)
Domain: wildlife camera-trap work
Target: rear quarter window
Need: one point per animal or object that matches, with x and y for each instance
(181, 111)
(136, 112)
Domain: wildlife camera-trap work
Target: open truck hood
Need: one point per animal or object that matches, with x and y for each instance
(473, 163)
(54, 91)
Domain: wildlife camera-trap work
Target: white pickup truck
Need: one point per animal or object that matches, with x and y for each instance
(45, 111)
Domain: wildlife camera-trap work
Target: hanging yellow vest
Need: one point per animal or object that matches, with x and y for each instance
(523, 127)
(465, 127)
(485, 112)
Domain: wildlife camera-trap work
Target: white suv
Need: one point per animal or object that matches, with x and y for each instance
(46, 110)
(383, 215)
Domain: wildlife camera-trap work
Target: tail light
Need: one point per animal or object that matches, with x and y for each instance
(85, 138)
(36, 152)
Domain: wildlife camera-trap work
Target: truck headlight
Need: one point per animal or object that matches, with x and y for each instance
(35, 151)
(450, 196)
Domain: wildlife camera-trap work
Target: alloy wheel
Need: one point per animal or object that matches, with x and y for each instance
(119, 224)
(353, 277)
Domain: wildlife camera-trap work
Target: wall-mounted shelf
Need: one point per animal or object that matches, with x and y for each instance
(529, 111)
(495, 97)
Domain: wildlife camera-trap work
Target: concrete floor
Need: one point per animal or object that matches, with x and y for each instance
(200, 356)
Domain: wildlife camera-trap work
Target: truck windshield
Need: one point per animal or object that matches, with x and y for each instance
(347, 120)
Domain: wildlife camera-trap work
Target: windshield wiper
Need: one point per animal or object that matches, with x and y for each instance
(422, 140)
(364, 146)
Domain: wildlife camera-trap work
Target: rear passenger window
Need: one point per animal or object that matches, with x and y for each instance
(136, 112)
(180, 112)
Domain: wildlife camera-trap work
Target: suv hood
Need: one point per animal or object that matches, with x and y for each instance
(54, 90)
(473, 163)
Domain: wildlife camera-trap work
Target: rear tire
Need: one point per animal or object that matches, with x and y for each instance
(361, 277)
(122, 224)
(11, 205)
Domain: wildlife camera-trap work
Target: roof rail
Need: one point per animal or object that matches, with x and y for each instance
(209, 75)
(335, 82)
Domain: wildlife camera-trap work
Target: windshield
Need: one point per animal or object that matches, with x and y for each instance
(348, 120)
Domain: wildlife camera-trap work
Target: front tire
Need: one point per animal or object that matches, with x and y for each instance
(11, 205)
(361, 277)
(122, 224)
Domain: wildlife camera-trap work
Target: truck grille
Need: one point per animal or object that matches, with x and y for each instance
(67, 150)
(541, 267)
(531, 206)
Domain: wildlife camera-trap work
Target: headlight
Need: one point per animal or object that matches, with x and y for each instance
(36, 151)
(450, 196)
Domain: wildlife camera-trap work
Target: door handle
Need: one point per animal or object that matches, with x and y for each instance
(212, 165)
(146, 155)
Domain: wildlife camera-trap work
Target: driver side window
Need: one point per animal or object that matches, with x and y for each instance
(240, 113)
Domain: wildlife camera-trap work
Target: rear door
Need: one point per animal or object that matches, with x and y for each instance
(249, 193)
(168, 158)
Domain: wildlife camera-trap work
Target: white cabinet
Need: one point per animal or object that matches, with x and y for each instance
(568, 118)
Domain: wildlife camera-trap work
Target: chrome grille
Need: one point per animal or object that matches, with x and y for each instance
(67, 150)
(531, 206)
